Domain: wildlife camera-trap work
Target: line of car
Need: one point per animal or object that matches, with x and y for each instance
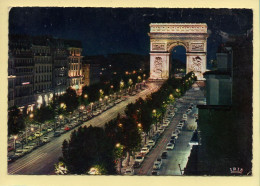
(67, 127)
(171, 144)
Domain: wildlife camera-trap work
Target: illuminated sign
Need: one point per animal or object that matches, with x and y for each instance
(25, 83)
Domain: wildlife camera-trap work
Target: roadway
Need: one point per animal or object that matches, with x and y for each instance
(181, 151)
(41, 161)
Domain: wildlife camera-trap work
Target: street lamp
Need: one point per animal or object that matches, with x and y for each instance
(15, 137)
(85, 96)
(120, 125)
(60, 117)
(106, 97)
(26, 123)
(91, 105)
(154, 115)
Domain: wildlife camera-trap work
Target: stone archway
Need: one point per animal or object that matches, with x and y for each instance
(165, 36)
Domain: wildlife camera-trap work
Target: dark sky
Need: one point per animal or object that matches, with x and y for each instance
(116, 30)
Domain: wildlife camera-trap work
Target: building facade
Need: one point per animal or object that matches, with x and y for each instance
(219, 82)
(91, 74)
(60, 67)
(75, 65)
(20, 72)
(42, 70)
(41, 66)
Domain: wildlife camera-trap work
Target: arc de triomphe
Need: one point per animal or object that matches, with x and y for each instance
(165, 36)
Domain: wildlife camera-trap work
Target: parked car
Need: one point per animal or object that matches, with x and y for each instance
(148, 146)
(19, 152)
(159, 160)
(27, 149)
(10, 148)
(184, 117)
(139, 159)
(188, 111)
(165, 124)
(155, 173)
(31, 138)
(129, 172)
(45, 139)
(145, 150)
(151, 142)
(156, 137)
(172, 141)
(175, 135)
(175, 110)
(179, 126)
(156, 166)
(169, 146)
(161, 130)
(177, 131)
(137, 164)
(67, 128)
(32, 145)
(57, 134)
(38, 134)
(164, 155)
(11, 159)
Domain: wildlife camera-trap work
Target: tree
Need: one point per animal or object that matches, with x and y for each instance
(70, 99)
(89, 147)
(15, 120)
(131, 138)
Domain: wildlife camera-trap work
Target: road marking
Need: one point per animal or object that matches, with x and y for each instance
(27, 163)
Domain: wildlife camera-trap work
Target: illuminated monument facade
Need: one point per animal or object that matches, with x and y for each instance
(165, 36)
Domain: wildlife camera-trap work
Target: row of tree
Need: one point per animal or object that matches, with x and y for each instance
(92, 146)
(68, 102)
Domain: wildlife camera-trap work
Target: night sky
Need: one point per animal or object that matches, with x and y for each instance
(124, 30)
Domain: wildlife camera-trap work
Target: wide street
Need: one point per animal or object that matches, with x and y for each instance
(41, 161)
(181, 151)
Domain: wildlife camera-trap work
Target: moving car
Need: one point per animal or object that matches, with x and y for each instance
(164, 155)
(169, 146)
(156, 165)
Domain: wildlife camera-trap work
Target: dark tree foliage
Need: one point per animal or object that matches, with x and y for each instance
(43, 114)
(15, 120)
(70, 99)
(88, 147)
(131, 138)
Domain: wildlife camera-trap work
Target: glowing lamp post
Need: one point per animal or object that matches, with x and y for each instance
(154, 115)
(60, 117)
(26, 123)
